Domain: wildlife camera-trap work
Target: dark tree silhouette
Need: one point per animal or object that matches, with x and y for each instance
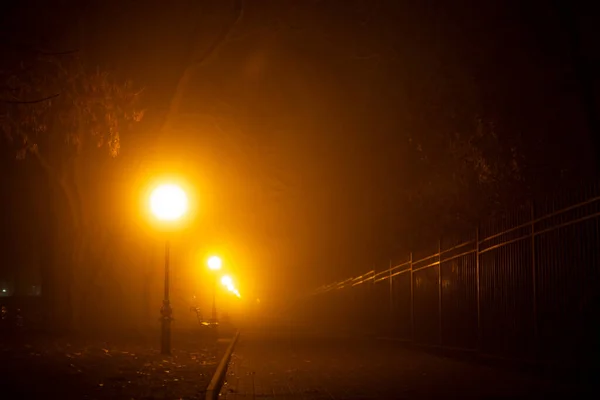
(63, 117)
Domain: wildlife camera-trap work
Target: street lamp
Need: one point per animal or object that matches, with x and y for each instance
(227, 281)
(168, 203)
(214, 263)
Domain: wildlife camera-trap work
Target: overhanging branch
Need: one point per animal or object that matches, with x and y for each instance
(30, 101)
(196, 60)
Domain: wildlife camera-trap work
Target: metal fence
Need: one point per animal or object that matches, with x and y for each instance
(522, 286)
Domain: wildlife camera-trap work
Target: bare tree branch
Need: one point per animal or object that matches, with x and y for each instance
(30, 101)
(195, 62)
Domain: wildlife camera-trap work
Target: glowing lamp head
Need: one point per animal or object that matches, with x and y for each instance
(227, 281)
(168, 202)
(214, 263)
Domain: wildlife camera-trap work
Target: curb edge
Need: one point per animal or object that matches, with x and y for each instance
(214, 387)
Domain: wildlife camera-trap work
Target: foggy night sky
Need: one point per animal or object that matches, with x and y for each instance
(299, 125)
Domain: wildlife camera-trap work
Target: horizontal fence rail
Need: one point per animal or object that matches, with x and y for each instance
(524, 286)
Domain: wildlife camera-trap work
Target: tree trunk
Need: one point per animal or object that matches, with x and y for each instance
(61, 250)
(80, 263)
(56, 273)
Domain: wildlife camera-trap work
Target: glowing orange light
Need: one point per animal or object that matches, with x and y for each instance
(168, 202)
(228, 283)
(214, 263)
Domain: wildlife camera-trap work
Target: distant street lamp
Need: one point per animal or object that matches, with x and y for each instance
(168, 203)
(214, 264)
(227, 281)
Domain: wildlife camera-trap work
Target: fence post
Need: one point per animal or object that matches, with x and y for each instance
(440, 291)
(477, 285)
(533, 281)
(391, 322)
(412, 301)
(374, 302)
(371, 304)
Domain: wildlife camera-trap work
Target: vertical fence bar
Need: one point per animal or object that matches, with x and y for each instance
(534, 284)
(477, 277)
(412, 301)
(391, 322)
(372, 301)
(440, 291)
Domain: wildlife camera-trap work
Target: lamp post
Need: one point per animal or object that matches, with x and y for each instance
(168, 203)
(214, 264)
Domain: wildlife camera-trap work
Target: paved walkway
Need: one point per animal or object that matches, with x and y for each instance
(279, 365)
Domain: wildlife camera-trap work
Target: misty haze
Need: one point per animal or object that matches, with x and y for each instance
(312, 199)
